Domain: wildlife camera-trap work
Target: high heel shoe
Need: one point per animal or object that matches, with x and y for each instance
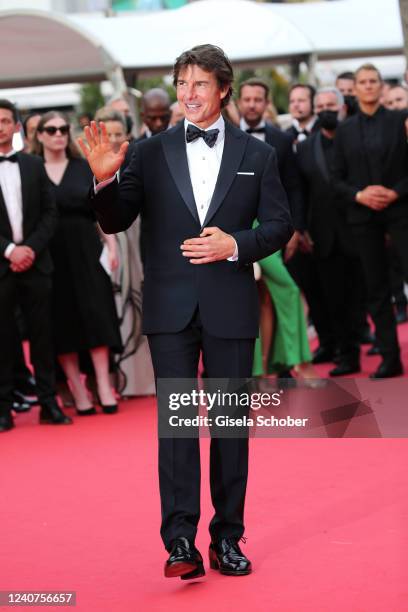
(109, 408)
(85, 411)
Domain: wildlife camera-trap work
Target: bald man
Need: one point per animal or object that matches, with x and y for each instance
(156, 111)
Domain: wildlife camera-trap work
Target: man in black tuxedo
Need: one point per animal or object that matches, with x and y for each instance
(333, 243)
(199, 187)
(370, 174)
(252, 103)
(301, 263)
(27, 220)
(304, 121)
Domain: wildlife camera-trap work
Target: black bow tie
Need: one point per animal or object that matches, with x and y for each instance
(11, 158)
(258, 130)
(305, 132)
(209, 136)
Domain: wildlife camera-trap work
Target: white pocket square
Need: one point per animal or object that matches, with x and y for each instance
(247, 173)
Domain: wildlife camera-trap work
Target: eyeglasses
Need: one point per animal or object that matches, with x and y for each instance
(52, 130)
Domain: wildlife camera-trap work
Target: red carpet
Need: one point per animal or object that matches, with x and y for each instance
(326, 520)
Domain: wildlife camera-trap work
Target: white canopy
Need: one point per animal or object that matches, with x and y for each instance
(39, 47)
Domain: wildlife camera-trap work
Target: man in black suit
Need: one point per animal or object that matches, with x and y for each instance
(199, 187)
(333, 243)
(301, 263)
(252, 103)
(27, 221)
(371, 164)
(304, 121)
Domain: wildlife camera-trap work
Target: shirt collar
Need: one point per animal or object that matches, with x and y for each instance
(244, 126)
(8, 154)
(308, 127)
(217, 125)
(378, 112)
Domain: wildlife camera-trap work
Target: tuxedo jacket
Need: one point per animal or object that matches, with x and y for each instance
(352, 171)
(327, 222)
(39, 214)
(289, 173)
(157, 185)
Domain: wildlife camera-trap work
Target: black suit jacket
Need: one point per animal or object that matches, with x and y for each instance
(327, 222)
(157, 184)
(352, 171)
(39, 214)
(289, 173)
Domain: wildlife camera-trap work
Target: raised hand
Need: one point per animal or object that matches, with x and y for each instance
(99, 152)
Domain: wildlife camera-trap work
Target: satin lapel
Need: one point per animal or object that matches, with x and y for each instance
(24, 173)
(320, 158)
(3, 210)
(234, 148)
(174, 148)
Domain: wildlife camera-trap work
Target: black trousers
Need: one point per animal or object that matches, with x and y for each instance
(342, 284)
(371, 243)
(303, 269)
(30, 290)
(177, 356)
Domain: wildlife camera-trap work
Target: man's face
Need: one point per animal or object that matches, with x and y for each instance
(199, 95)
(156, 116)
(396, 99)
(31, 126)
(7, 128)
(346, 86)
(252, 104)
(368, 87)
(300, 104)
(116, 134)
(328, 101)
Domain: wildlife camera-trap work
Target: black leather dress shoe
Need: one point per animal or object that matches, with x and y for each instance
(345, 368)
(388, 369)
(51, 414)
(184, 561)
(6, 422)
(227, 557)
(323, 354)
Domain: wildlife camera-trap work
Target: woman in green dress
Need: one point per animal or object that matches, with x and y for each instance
(283, 344)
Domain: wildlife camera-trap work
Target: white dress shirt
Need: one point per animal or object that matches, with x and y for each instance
(260, 135)
(10, 184)
(204, 166)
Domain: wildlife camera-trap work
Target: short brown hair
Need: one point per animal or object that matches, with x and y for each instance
(370, 67)
(211, 59)
(37, 148)
(254, 82)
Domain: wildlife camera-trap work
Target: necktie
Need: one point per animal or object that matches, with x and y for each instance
(11, 158)
(258, 130)
(209, 136)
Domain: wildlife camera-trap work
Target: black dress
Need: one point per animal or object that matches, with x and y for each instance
(84, 312)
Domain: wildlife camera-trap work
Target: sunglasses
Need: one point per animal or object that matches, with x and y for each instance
(51, 130)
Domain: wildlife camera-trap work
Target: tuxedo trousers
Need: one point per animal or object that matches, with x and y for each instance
(30, 290)
(177, 356)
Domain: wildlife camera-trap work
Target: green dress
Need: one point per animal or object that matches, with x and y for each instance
(290, 344)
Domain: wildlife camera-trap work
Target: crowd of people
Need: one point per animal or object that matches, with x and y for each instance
(76, 292)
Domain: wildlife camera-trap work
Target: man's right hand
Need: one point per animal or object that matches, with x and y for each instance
(21, 258)
(374, 197)
(99, 152)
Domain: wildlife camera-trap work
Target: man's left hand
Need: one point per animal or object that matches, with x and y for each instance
(212, 245)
